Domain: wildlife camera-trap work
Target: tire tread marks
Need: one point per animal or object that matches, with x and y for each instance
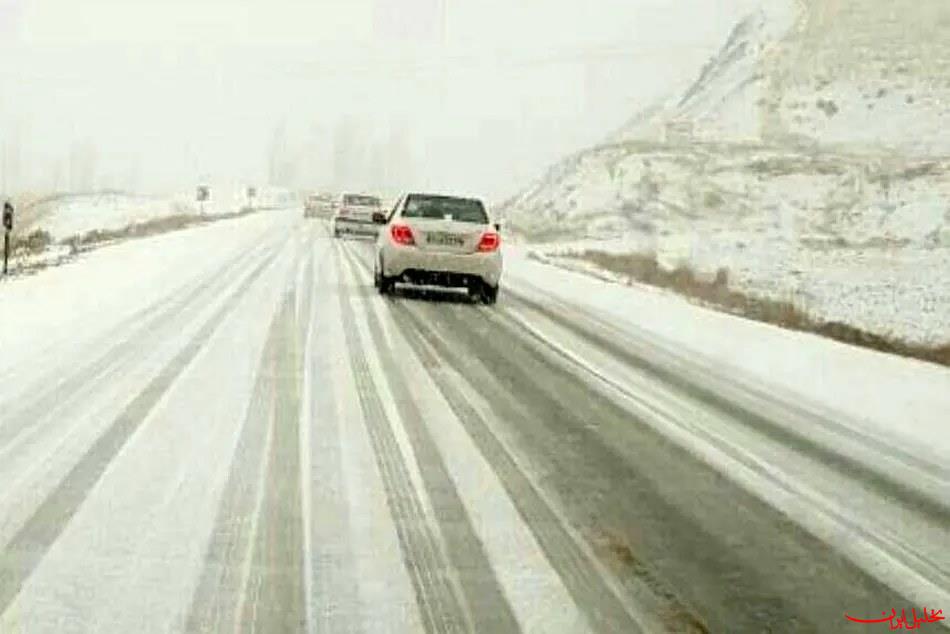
(30, 544)
(488, 605)
(252, 578)
(603, 609)
(441, 609)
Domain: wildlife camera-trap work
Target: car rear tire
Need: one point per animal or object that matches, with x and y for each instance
(488, 294)
(385, 285)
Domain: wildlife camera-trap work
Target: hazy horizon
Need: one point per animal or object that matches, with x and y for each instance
(158, 96)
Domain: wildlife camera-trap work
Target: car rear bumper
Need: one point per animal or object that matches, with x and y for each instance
(350, 225)
(441, 269)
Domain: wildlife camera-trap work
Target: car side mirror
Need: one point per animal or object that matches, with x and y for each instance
(379, 218)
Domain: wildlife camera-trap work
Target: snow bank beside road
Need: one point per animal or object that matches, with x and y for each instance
(901, 401)
(74, 215)
(70, 215)
(51, 312)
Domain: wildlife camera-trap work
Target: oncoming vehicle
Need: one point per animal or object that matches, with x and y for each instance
(433, 240)
(354, 216)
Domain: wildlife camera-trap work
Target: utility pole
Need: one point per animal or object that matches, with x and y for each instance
(7, 228)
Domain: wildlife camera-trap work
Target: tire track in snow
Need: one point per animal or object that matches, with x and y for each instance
(28, 547)
(274, 595)
(333, 588)
(441, 609)
(577, 570)
(589, 584)
(489, 606)
(909, 563)
(253, 571)
(678, 515)
(616, 480)
(933, 501)
(26, 418)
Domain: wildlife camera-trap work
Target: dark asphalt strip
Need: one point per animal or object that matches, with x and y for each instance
(740, 564)
(216, 603)
(490, 609)
(274, 599)
(335, 593)
(441, 609)
(935, 507)
(28, 547)
(591, 594)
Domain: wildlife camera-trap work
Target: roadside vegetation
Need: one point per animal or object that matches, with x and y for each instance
(715, 292)
(37, 250)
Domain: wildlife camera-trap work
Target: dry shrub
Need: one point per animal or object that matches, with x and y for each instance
(716, 292)
(34, 242)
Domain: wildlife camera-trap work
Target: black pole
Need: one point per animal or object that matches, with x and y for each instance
(7, 228)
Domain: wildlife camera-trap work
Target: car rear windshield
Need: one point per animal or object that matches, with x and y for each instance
(361, 201)
(440, 207)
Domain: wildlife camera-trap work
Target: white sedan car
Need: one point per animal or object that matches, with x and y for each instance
(354, 215)
(432, 240)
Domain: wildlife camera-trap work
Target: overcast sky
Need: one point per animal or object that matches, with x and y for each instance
(473, 95)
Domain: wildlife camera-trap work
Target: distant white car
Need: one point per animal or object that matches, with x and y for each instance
(433, 240)
(318, 205)
(354, 215)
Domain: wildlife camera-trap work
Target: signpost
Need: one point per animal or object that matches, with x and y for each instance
(204, 194)
(7, 228)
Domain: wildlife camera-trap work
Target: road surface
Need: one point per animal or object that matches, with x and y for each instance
(270, 446)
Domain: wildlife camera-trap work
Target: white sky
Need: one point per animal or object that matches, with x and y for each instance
(174, 91)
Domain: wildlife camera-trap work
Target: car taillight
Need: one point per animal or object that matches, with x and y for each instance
(490, 242)
(402, 234)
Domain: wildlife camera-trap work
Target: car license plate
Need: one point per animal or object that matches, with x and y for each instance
(445, 239)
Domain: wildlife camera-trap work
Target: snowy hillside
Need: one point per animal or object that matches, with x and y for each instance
(811, 158)
(725, 101)
(819, 198)
(852, 74)
(866, 73)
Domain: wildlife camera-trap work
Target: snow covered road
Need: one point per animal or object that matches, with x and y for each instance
(226, 429)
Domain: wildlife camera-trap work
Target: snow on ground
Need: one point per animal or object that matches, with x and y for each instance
(853, 238)
(903, 400)
(809, 158)
(77, 214)
(47, 312)
(69, 215)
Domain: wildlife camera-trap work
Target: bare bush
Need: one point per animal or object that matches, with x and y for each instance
(34, 242)
(716, 293)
